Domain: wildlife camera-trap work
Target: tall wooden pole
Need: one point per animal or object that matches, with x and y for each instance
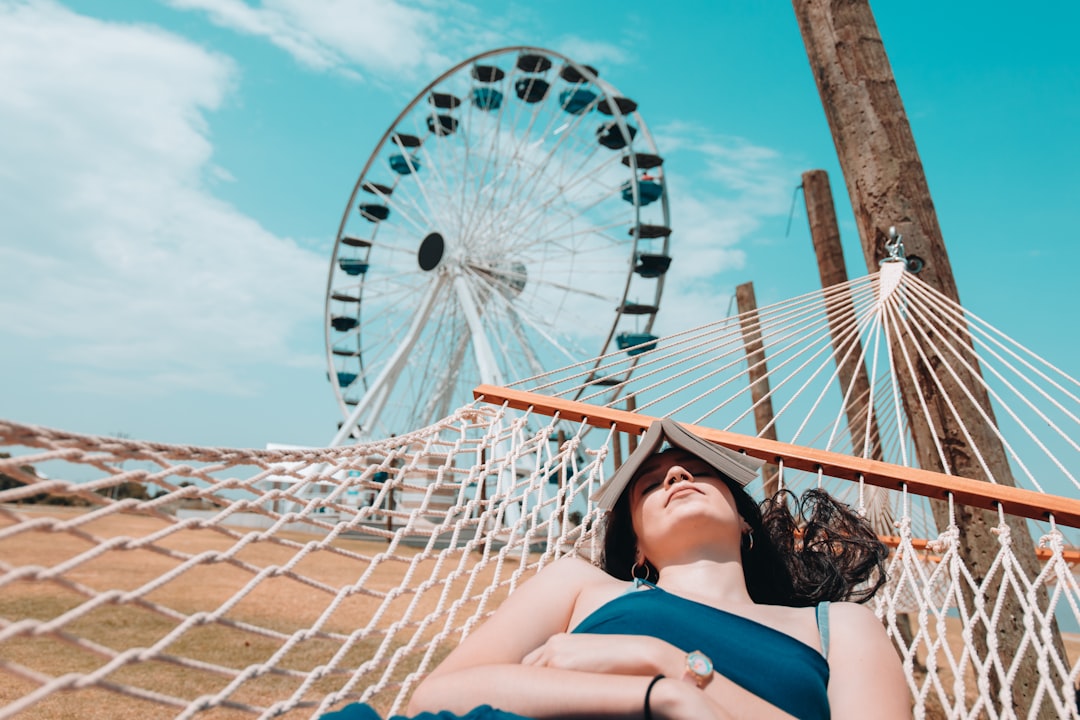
(840, 310)
(847, 347)
(888, 187)
(760, 395)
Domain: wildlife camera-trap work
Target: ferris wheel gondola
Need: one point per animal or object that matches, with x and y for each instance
(513, 217)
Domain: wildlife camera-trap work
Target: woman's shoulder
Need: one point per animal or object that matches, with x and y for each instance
(590, 586)
(576, 568)
(852, 620)
(854, 625)
(852, 616)
(572, 575)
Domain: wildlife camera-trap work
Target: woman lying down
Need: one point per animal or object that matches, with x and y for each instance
(705, 606)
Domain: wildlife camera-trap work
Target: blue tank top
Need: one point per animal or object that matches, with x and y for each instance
(772, 665)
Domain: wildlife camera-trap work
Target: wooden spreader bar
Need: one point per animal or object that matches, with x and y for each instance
(990, 496)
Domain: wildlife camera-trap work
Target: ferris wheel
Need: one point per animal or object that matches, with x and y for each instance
(513, 218)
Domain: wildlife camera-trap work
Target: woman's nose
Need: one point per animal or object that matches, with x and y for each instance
(678, 474)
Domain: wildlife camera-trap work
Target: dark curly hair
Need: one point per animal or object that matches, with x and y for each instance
(805, 551)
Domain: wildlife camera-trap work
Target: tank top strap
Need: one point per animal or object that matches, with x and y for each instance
(638, 584)
(823, 627)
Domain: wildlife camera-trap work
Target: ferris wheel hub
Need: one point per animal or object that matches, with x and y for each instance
(431, 251)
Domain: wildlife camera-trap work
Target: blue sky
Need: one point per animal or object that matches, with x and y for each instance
(172, 175)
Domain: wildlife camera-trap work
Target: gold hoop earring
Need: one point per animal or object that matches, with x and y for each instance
(644, 569)
(749, 540)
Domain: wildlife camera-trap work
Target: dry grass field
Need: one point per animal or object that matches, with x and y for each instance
(160, 624)
(251, 612)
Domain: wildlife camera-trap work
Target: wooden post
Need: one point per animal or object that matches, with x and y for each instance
(760, 395)
(847, 347)
(888, 187)
(848, 351)
(631, 440)
(840, 309)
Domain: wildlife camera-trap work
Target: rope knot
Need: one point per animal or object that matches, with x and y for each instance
(946, 541)
(1054, 540)
(1004, 533)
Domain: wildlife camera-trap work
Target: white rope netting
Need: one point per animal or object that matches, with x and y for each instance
(173, 581)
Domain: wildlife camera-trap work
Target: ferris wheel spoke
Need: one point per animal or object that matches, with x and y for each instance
(445, 155)
(516, 156)
(418, 182)
(564, 132)
(578, 173)
(488, 154)
(439, 388)
(376, 399)
(429, 167)
(434, 162)
(439, 403)
(544, 205)
(403, 201)
(390, 292)
(580, 292)
(492, 328)
(550, 236)
(535, 366)
(378, 345)
(408, 209)
(387, 246)
(594, 230)
(518, 159)
(514, 344)
(467, 180)
(582, 178)
(541, 169)
(482, 274)
(543, 332)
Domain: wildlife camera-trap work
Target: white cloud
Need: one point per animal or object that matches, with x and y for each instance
(111, 245)
(716, 211)
(382, 36)
(591, 52)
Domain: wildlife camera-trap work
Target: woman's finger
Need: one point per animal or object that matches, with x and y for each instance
(533, 658)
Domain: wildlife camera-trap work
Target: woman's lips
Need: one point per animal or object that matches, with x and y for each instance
(680, 492)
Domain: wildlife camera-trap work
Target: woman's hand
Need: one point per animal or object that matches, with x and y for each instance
(673, 699)
(609, 654)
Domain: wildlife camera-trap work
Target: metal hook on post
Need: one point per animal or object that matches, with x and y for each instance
(894, 245)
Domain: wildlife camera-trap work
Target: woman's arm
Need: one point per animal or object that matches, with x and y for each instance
(543, 692)
(486, 667)
(644, 656)
(865, 676)
(581, 675)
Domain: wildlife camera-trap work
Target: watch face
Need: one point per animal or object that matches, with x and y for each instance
(698, 663)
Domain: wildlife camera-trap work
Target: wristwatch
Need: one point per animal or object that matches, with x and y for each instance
(698, 668)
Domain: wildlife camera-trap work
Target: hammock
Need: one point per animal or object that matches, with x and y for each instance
(177, 581)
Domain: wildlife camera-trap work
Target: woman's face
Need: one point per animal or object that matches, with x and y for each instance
(677, 500)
